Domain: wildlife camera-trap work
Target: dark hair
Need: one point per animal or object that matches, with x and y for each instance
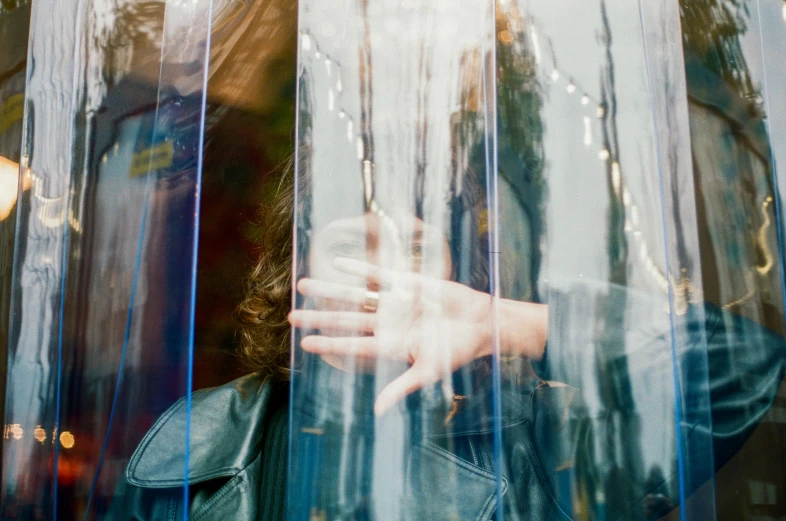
(264, 329)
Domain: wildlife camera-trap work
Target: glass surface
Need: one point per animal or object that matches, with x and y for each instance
(735, 93)
(103, 282)
(392, 410)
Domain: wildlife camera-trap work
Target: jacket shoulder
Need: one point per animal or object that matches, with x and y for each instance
(225, 434)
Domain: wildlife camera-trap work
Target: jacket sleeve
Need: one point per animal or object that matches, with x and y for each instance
(614, 344)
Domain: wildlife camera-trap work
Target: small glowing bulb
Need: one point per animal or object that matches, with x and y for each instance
(603, 154)
(39, 434)
(601, 111)
(585, 100)
(349, 131)
(342, 114)
(783, 11)
(317, 54)
(571, 88)
(67, 439)
(625, 197)
(554, 75)
(360, 149)
(306, 42)
(331, 100)
(339, 85)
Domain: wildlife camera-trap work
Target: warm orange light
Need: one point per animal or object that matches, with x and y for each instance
(9, 185)
(39, 434)
(67, 439)
(16, 431)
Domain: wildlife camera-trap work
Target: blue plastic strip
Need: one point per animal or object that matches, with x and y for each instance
(126, 338)
(672, 330)
(197, 214)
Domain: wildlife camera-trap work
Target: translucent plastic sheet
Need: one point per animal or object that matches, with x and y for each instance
(735, 92)
(14, 26)
(392, 411)
(103, 279)
(598, 227)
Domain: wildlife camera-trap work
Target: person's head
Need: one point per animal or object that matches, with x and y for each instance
(399, 238)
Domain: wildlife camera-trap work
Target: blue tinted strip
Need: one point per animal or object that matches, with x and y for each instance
(672, 330)
(126, 337)
(63, 263)
(492, 195)
(195, 251)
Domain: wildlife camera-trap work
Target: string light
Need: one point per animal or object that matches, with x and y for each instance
(554, 75)
(604, 154)
(584, 99)
(587, 131)
(571, 88)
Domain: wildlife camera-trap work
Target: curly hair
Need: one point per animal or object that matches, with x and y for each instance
(264, 329)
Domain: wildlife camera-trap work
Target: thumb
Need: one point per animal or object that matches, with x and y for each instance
(412, 380)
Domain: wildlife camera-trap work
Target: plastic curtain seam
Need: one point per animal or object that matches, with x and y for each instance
(490, 122)
(126, 338)
(672, 330)
(194, 258)
(64, 261)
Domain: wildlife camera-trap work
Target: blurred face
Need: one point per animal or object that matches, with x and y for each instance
(401, 242)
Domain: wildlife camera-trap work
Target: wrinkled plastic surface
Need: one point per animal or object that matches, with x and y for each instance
(103, 278)
(619, 425)
(735, 94)
(394, 166)
(14, 26)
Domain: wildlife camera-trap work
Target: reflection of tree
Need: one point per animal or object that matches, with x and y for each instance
(711, 31)
(10, 5)
(520, 135)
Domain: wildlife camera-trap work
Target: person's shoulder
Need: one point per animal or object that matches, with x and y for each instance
(225, 427)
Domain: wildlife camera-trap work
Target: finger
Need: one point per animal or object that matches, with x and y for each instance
(336, 320)
(401, 387)
(365, 347)
(384, 277)
(330, 290)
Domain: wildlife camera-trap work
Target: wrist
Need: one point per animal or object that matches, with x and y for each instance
(523, 328)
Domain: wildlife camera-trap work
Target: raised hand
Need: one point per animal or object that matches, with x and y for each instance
(435, 325)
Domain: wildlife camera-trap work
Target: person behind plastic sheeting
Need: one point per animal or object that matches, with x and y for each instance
(239, 432)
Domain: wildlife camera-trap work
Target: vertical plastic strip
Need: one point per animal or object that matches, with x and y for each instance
(37, 307)
(597, 211)
(392, 412)
(14, 33)
(664, 63)
(122, 348)
(733, 131)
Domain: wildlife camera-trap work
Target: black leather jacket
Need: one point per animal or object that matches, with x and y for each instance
(553, 460)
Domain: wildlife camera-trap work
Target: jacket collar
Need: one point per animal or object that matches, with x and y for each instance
(227, 428)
